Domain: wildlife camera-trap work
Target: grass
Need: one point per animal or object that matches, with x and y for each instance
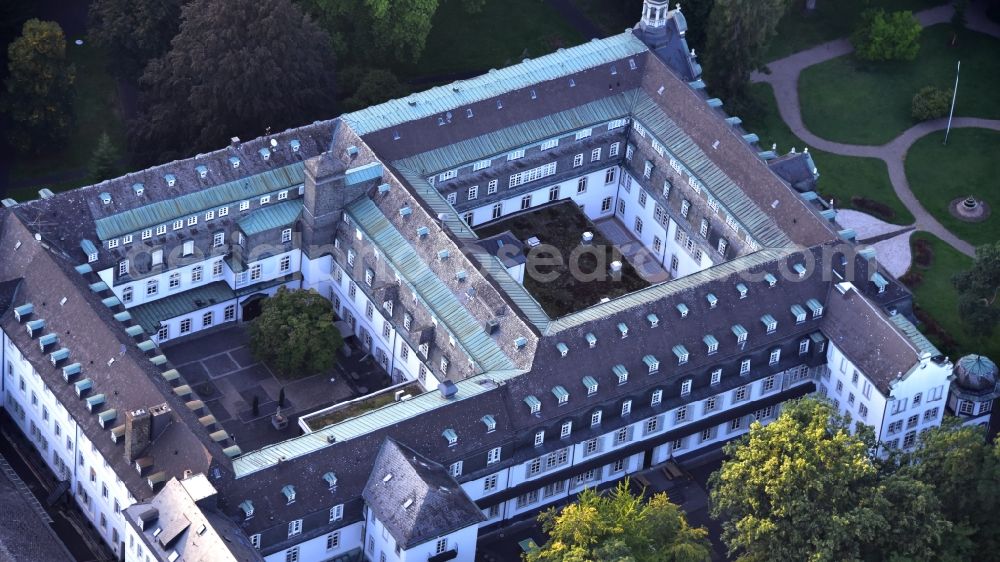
(832, 19)
(848, 101)
(561, 225)
(610, 16)
(969, 165)
(97, 111)
(462, 43)
(936, 296)
(355, 409)
(841, 177)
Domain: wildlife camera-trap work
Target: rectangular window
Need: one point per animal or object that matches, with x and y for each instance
(578, 160)
(207, 319)
(515, 155)
(490, 483)
(186, 326)
(606, 205)
(332, 540)
(255, 272)
(554, 193)
(613, 151)
(473, 192)
(595, 418)
(294, 528)
(286, 235)
(196, 274)
(581, 185)
(230, 313)
(264, 200)
(152, 287)
(217, 269)
(595, 154)
(452, 198)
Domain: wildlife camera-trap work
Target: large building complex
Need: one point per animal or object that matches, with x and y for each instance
(751, 295)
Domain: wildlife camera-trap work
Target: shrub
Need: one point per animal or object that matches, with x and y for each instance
(884, 37)
(923, 253)
(931, 103)
(912, 278)
(872, 207)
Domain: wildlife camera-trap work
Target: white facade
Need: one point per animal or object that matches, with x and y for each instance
(323, 547)
(380, 546)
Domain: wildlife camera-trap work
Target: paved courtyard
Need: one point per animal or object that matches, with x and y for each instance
(224, 374)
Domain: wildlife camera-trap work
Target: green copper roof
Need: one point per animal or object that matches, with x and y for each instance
(271, 216)
(916, 338)
(162, 212)
(495, 82)
(150, 314)
(438, 297)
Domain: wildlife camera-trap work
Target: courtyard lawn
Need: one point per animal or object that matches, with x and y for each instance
(967, 166)
(832, 19)
(503, 33)
(848, 101)
(97, 111)
(560, 225)
(841, 177)
(935, 296)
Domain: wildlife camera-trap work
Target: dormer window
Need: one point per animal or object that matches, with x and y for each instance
(652, 363)
(138, 189)
(799, 269)
(621, 372)
(775, 356)
(745, 366)
(771, 280)
(683, 309)
(561, 394)
(534, 404)
(769, 322)
(591, 384)
(369, 277)
(879, 282)
(265, 154)
(295, 144)
(247, 507)
(799, 313)
(105, 198)
(682, 354)
(289, 492)
(563, 349)
(170, 179)
(654, 321)
(423, 231)
(234, 162)
(740, 332)
(591, 340)
(424, 349)
(816, 307)
(443, 255)
(331, 481)
(202, 171)
(444, 364)
(686, 387)
(712, 300)
(623, 329)
(742, 288)
(264, 200)
(450, 435)
(521, 342)
(711, 343)
(490, 422)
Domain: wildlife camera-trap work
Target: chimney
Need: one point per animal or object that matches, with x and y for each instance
(160, 419)
(137, 432)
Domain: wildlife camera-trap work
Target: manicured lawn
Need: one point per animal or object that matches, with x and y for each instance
(841, 177)
(936, 296)
(831, 20)
(560, 226)
(969, 165)
(97, 111)
(847, 101)
(503, 33)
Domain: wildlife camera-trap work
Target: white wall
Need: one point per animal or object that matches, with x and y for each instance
(315, 549)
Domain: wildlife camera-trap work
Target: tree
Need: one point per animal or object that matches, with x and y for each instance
(738, 34)
(235, 68)
(104, 162)
(39, 84)
(930, 103)
(962, 468)
(473, 6)
(376, 31)
(294, 333)
(885, 37)
(978, 289)
(376, 86)
(134, 32)
(621, 527)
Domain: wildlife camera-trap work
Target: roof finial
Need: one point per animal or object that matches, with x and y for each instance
(806, 150)
(774, 146)
(677, 6)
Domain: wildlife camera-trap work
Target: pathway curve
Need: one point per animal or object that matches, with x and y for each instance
(784, 80)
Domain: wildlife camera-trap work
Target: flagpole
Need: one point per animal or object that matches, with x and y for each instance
(954, 95)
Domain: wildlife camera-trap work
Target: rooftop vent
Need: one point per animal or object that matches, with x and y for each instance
(499, 104)
(105, 197)
(443, 254)
(447, 389)
(170, 179)
(352, 151)
(534, 95)
(273, 143)
(587, 237)
(521, 342)
(468, 113)
(405, 212)
(395, 135)
(383, 188)
(616, 266)
(492, 326)
(423, 231)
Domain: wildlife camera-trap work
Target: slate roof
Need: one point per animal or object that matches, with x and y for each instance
(150, 314)
(798, 169)
(24, 535)
(87, 328)
(868, 337)
(415, 498)
(505, 247)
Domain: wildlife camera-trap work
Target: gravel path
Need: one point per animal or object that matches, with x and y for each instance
(784, 79)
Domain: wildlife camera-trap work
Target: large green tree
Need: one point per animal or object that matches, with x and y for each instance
(236, 68)
(978, 289)
(882, 36)
(738, 33)
(104, 162)
(620, 526)
(134, 31)
(39, 96)
(962, 469)
(808, 487)
(376, 31)
(294, 333)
